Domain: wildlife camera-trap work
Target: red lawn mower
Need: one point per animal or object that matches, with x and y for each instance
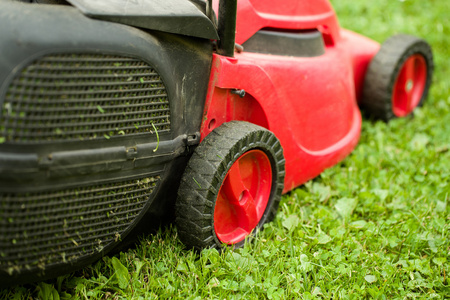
(118, 115)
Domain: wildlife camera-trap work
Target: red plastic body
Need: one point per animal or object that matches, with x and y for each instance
(309, 103)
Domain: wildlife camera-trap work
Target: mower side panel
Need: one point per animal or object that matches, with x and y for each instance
(362, 50)
(311, 109)
(64, 78)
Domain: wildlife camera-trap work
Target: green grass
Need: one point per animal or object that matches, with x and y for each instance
(374, 226)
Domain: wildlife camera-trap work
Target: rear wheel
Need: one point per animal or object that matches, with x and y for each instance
(231, 186)
(398, 78)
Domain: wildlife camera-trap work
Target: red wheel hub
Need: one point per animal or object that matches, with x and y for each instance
(243, 197)
(409, 85)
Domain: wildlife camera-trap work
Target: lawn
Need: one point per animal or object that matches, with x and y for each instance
(374, 226)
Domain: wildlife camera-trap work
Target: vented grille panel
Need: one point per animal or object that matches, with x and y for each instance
(40, 229)
(81, 97)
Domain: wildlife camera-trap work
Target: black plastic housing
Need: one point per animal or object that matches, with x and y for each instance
(174, 16)
(49, 38)
(298, 44)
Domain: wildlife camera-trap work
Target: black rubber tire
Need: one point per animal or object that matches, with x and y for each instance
(206, 171)
(384, 69)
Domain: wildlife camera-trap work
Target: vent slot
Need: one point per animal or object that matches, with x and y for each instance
(41, 229)
(305, 43)
(72, 97)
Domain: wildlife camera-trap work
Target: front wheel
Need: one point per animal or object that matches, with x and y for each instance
(398, 78)
(231, 186)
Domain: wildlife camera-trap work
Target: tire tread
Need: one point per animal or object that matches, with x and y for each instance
(209, 163)
(383, 70)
